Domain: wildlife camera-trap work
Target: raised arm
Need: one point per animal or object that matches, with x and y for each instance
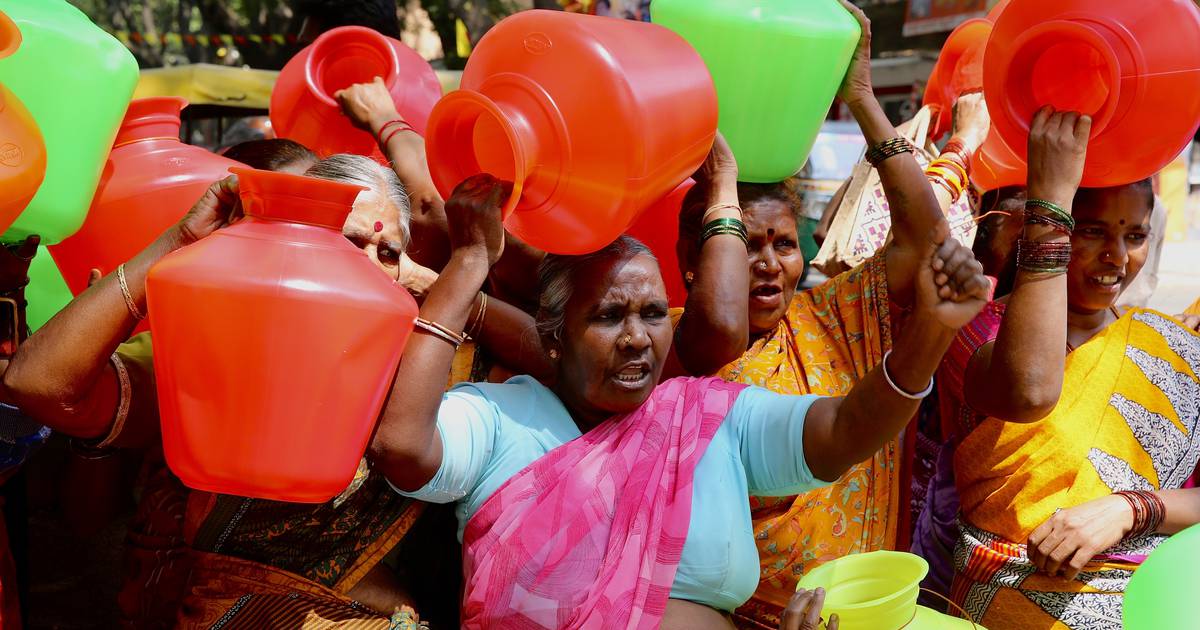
(840, 432)
(915, 209)
(407, 447)
(1019, 376)
(62, 375)
(370, 107)
(715, 328)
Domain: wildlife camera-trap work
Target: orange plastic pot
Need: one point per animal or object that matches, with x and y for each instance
(959, 69)
(276, 342)
(1135, 71)
(592, 118)
(997, 166)
(304, 109)
(22, 151)
(658, 229)
(150, 181)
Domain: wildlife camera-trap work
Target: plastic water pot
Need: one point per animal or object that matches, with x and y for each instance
(304, 109)
(592, 118)
(76, 81)
(276, 342)
(959, 69)
(777, 65)
(1133, 67)
(22, 151)
(150, 181)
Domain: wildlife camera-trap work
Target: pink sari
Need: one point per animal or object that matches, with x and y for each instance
(590, 535)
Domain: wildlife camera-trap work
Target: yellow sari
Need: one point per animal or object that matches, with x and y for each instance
(830, 337)
(1126, 420)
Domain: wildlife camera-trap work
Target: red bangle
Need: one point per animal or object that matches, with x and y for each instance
(399, 121)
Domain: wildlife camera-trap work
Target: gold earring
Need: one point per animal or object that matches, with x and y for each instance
(689, 277)
(554, 354)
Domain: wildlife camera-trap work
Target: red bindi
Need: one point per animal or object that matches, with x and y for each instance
(379, 226)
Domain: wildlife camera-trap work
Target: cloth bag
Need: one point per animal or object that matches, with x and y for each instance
(863, 220)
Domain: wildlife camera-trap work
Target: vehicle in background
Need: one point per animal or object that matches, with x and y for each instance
(839, 146)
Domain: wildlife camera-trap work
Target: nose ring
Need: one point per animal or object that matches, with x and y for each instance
(762, 265)
(627, 340)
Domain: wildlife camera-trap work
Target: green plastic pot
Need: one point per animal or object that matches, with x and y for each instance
(47, 293)
(777, 66)
(76, 80)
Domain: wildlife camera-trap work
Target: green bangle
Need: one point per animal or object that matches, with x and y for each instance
(724, 226)
(1054, 209)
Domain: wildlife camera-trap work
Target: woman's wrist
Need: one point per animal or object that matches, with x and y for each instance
(380, 118)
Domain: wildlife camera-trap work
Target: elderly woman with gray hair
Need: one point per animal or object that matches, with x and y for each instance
(608, 499)
(243, 562)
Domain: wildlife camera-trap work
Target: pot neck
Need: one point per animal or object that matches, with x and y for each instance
(155, 118)
(295, 198)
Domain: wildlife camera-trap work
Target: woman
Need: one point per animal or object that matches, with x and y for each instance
(247, 557)
(1076, 425)
(607, 499)
(825, 340)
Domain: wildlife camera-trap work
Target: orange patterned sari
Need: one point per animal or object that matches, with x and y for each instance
(831, 337)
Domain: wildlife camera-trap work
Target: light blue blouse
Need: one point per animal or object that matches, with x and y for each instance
(490, 432)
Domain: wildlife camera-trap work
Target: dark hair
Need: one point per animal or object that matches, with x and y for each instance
(1084, 196)
(269, 155)
(695, 203)
(556, 280)
(376, 14)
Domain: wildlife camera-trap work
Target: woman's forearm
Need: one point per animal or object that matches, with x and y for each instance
(1183, 509)
(915, 210)
(406, 447)
(846, 431)
(60, 365)
(715, 325)
(1022, 377)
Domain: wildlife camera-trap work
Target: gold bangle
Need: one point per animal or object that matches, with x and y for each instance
(720, 206)
(477, 325)
(129, 303)
(441, 332)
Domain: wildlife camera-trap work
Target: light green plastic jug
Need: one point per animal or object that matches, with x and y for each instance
(47, 293)
(76, 80)
(777, 65)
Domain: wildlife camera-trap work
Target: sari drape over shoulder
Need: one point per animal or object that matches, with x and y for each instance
(829, 339)
(590, 534)
(1126, 420)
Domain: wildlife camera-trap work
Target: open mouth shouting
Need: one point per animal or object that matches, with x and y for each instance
(633, 375)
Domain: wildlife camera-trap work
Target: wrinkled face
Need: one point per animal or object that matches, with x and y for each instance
(1108, 248)
(374, 227)
(616, 335)
(776, 262)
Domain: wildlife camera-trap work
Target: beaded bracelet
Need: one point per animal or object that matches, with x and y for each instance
(1054, 209)
(888, 149)
(724, 226)
(1043, 257)
(441, 332)
(1035, 218)
(1148, 512)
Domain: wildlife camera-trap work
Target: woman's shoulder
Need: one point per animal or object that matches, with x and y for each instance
(521, 400)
